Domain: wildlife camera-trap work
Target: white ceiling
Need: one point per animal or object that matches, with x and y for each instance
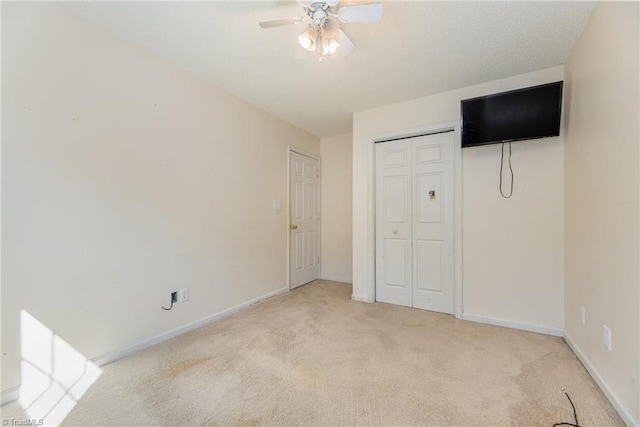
(420, 48)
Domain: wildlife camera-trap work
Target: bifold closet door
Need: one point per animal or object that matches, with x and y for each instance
(433, 228)
(414, 222)
(393, 223)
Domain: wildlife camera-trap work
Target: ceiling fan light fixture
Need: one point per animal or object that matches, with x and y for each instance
(333, 46)
(323, 20)
(329, 46)
(308, 38)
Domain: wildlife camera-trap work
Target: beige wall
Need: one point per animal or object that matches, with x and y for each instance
(336, 152)
(512, 250)
(602, 204)
(123, 179)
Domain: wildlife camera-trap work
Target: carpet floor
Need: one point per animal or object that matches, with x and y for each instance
(313, 357)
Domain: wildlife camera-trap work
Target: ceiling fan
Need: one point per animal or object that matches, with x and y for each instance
(324, 24)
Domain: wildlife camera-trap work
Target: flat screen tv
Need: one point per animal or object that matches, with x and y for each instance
(529, 113)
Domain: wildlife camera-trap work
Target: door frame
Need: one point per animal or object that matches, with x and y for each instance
(457, 202)
(294, 149)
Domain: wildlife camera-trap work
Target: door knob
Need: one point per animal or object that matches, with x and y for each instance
(293, 227)
(395, 231)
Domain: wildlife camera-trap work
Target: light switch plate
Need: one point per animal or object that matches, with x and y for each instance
(606, 338)
(277, 205)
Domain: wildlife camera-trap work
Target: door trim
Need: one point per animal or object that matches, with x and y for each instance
(457, 208)
(294, 149)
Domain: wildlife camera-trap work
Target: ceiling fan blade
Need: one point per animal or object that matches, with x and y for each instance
(346, 45)
(279, 22)
(361, 13)
(305, 3)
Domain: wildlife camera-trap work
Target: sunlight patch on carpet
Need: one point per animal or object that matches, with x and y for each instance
(54, 375)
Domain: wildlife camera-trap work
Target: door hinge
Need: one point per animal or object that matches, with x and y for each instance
(318, 173)
(317, 260)
(318, 216)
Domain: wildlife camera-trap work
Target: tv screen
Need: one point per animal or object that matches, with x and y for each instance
(529, 113)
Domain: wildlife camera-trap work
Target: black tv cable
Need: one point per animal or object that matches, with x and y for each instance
(510, 169)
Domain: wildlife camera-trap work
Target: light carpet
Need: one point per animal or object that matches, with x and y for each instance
(313, 357)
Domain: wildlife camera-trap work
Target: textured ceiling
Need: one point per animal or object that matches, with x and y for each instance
(420, 48)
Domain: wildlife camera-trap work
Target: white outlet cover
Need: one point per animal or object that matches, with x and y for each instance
(183, 295)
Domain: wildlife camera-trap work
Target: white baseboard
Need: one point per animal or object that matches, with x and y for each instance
(624, 413)
(360, 298)
(119, 354)
(12, 394)
(336, 279)
(513, 325)
(9, 395)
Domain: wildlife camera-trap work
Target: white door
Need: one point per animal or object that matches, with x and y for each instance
(414, 222)
(304, 248)
(393, 223)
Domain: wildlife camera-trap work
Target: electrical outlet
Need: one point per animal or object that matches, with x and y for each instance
(174, 297)
(606, 338)
(183, 295)
(583, 315)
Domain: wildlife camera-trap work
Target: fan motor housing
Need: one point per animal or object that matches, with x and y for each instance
(318, 11)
